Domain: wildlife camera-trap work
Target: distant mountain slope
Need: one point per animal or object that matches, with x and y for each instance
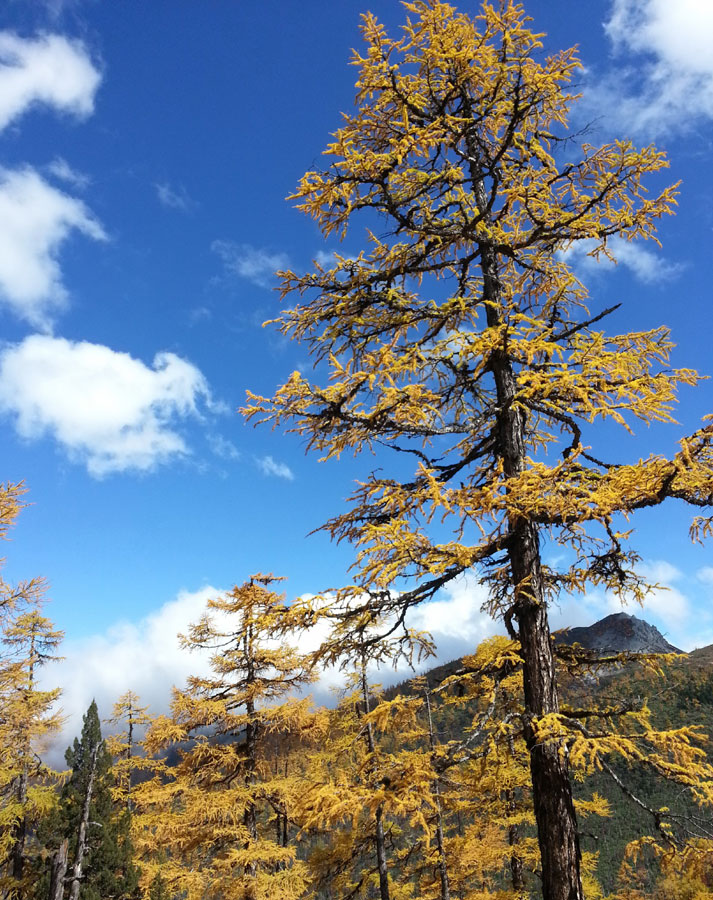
(618, 632)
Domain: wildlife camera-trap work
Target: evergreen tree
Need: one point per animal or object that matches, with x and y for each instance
(99, 863)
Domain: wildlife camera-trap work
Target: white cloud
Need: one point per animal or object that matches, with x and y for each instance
(35, 219)
(645, 265)
(252, 263)
(49, 70)
(269, 466)
(173, 198)
(61, 169)
(104, 408)
(145, 656)
(671, 87)
(705, 574)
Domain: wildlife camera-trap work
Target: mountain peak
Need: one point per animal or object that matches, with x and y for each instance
(616, 633)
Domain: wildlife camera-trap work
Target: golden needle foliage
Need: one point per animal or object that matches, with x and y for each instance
(456, 156)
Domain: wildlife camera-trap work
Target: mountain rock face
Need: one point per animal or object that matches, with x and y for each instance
(618, 632)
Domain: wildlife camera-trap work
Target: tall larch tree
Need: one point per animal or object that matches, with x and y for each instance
(28, 720)
(125, 745)
(27, 714)
(210, 820)
(460, 338)
(351, 819)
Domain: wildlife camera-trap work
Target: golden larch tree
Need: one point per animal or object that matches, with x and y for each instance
(29, 716)
(460, 338)
(125, 745)
(209, 820)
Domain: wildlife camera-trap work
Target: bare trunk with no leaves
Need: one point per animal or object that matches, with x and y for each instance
(82, 841)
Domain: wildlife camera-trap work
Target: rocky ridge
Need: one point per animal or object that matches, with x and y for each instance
(619, 632)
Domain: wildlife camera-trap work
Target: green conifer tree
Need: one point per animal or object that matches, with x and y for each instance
(99, 864)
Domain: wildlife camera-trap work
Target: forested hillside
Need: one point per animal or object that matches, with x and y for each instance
(247, 790)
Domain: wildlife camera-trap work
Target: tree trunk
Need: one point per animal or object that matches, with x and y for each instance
(516, 872)
(251, 736)
(380, 842)
(19, 835)
(76, 877)
(59, 870)
(552, 792)
(379, 838)
(517, 878)
(440, 842)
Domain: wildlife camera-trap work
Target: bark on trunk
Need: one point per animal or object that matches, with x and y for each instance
(517, 877)
(250, 815)
(58, 871)
(552, 792)
(76, 876)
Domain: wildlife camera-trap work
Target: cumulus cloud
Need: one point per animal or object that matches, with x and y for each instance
(35, 220)
(644, 264)
(269, 466)
(173, 198)
(104, 408)
(456, 619)
(671, 87)
(144, 657)
(251, 263)
(49, 70)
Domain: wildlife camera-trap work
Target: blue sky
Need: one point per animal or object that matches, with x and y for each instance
(145, 153)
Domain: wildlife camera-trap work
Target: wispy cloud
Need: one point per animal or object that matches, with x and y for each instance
(664, 81)
(645, 265)
(270, 466)
(103, 408)
(222, 447)
(174, 197)
(251, 263)
(61, 169)
(35, 219)
(50, 71)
